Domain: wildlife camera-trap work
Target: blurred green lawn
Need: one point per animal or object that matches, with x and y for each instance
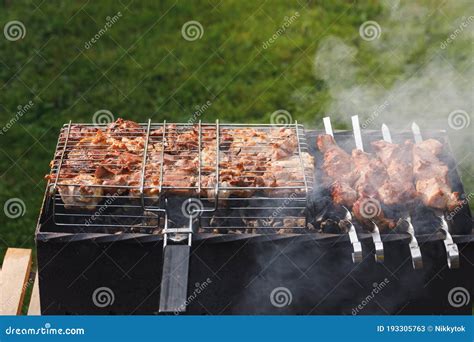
(143, 68)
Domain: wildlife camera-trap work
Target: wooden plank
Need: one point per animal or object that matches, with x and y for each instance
(34, 309)
(13, 280)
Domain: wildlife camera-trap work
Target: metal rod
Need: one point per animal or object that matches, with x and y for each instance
(328, 126)
(357, 133)
(356, 245)
(162, 156)
(415, 252)
(142, 175)
(62, 157)
(199, 158)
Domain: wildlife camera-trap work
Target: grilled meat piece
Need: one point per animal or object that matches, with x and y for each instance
(431, 176)
(367, 211)
(372, 177)
(355, 180)
(398, 161)
(77, 193)
(371, 174)
(124, 128)
(338, 171)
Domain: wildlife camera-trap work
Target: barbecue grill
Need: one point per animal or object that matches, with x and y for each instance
(161, 244)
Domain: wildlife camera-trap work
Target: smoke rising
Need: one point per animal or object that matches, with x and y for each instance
(429, 49)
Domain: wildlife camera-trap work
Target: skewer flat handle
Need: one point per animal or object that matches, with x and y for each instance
(379, 251)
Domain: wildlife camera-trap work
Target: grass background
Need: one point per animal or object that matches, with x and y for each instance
(143, 68)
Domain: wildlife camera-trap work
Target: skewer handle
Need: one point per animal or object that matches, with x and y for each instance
(379, 252)
(357, 132)
(328, 126)
(452, 252)
(415, 251)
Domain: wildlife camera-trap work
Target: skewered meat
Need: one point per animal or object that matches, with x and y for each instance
(355, 180)
(372, 176)
(338, 171)
(431, 176)
(367, 210)
(398, 162)
(371, 173)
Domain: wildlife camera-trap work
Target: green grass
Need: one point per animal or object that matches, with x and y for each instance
(143, 68)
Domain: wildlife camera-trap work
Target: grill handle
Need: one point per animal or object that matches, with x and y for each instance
(174, 281)
(174, 278)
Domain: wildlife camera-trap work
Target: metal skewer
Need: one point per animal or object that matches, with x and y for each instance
(452, 252)
(379, 252)
(356, 245)
(351, 231)
(415, 251)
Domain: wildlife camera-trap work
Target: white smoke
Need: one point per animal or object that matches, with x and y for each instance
(432, 59)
